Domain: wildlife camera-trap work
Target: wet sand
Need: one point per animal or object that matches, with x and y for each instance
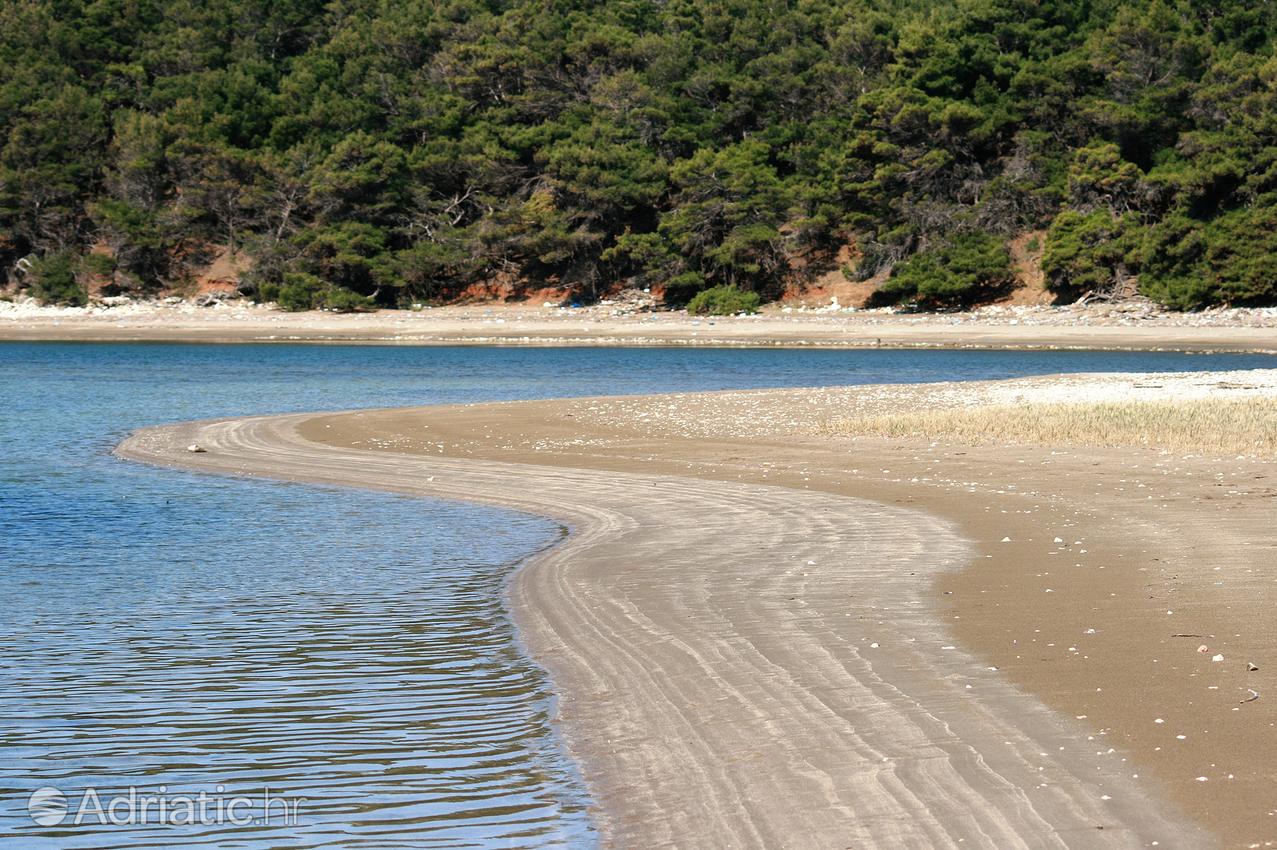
(1064, 328)
(766, 638)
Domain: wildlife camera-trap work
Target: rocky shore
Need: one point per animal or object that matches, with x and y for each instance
(633, 320)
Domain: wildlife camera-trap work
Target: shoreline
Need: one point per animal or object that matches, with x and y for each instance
(567, 456)
(1003, 329)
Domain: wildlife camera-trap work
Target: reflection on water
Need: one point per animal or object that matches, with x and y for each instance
(165, 630)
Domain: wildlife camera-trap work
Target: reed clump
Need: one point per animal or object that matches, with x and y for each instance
(1244, 426)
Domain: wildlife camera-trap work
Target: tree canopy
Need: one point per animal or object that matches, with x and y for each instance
(390, 151)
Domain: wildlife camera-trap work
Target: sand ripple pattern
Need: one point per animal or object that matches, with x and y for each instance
(750, 666)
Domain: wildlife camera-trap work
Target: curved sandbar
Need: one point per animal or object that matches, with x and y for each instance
(750, 665)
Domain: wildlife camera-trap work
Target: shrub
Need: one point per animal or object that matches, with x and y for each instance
(1231, 260)
(268, 292)
(723, 301)
(1242, 257)
(53, 281)
(972, 268)
(340, 300)
(682, 288)
(102, 265)
(1087, 252)
(300, 291)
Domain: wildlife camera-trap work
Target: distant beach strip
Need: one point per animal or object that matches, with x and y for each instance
(1117, 327)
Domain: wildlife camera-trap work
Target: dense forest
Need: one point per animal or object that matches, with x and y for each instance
(392, 151)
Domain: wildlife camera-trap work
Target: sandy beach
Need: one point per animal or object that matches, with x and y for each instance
(769, 630)
(1116, 326)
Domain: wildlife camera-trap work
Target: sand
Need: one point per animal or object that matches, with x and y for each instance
(1097, 327)
(762, 635)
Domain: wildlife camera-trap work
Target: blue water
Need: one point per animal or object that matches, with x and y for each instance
(162, 629)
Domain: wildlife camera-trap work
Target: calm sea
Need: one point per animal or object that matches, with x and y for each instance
(183, 635)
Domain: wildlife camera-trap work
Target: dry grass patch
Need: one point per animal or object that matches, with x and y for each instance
(1211, 426)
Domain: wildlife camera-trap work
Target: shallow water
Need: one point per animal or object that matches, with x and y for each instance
(164, 630)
